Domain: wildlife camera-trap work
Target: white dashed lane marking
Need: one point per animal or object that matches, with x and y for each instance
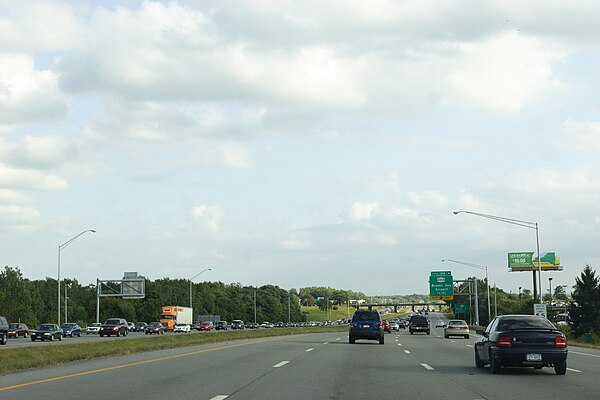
(428, 367)
(281, 364)
(220, 397)
(573, 370)
(407, 352)
(309, 349)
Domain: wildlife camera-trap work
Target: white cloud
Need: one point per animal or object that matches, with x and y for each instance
(16, 213)
(14, 178)
(27, 94)
(38, 152)
(362, 211)
(208, 216)
(296, 244)
(581, 135)
(235, 155)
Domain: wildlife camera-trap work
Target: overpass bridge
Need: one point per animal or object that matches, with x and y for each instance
(430, 306)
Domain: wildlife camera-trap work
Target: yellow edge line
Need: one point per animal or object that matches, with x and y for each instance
(95, 371)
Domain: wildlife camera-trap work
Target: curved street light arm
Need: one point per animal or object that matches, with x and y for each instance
(526, 224)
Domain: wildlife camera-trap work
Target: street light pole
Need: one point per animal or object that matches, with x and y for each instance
(487, 281)
(550, 288)
(192, 278)
(60, 247)
(525, 224)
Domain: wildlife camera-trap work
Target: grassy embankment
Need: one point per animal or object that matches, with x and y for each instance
(43, 355)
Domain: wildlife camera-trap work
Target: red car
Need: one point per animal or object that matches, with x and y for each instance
(205, 326)
(17, 329)
(386, 326)
(155, 327)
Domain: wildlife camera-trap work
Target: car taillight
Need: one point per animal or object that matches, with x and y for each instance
(380, 324)
(560, 341)
(504, 341)
(450, 327)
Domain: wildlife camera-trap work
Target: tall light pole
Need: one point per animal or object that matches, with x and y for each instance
(525, 224)
(487, 281)
(194, 277)
(66, 303)
(550, 288)
(60, 247)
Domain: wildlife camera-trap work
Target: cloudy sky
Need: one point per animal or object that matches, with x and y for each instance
(298, 143)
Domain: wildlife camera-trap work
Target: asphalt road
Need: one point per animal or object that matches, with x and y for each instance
(313, 366)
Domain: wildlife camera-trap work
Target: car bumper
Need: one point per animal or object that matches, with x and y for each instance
(369, 335)
(518, 357)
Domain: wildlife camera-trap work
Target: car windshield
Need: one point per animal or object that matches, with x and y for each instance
(112, 322)
(67, 326)
(457, 323)
(155, 324)
(524, 322)
(13, 326)
(45, 327)
(366, 316)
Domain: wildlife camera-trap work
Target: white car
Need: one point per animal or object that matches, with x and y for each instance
(93, 328)
(181, 328)
(440, 324)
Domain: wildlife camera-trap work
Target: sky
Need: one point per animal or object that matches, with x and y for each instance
(308, 143)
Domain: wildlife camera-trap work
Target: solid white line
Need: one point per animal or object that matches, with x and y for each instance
(429, 367)
(468, 345)
(583, 354)
(309, 349)
(338, 339)
(281, 364)
(220, 397)
(407, 352)
(573, 370)
(326, 343)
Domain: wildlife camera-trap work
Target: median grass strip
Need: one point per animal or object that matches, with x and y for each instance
(41, 355)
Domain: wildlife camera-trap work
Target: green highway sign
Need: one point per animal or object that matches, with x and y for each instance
(441, 285)
(461, 308)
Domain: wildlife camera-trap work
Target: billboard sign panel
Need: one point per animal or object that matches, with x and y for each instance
(527, 261)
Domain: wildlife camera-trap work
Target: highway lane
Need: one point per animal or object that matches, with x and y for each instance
(309, 366)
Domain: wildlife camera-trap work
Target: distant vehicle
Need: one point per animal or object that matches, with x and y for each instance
(521, 341)
(222, 326)
(3, 330)
(366, 324)
(394, 326)
(456, 327)
(562, 319)
(206, 326)
(172, 315)
(237, 324)
(402, 323)
(155, 327)
(267, 324)
(386, 326)
(280, 325)
(114, 326)
(47, 332)
(252, 325)
(140, 326)
(418, 323)
(17, 329)
(93, 328)
(131, 327)
(185, 328)
(70, 329)
(439, 323)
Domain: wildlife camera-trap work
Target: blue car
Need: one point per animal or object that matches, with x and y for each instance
(366, 324)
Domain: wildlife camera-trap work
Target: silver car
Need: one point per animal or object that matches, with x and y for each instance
(456, 327)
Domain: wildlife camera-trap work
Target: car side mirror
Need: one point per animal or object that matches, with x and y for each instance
(480, 332)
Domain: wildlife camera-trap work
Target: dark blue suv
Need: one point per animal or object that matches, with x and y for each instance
(366, 324)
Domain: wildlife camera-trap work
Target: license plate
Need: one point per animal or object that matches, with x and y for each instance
(534, 357)
(366, 326)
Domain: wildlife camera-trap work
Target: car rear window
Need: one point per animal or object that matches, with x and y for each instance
(418, 319)
(524, 322)
(366, 316)
(457, 323)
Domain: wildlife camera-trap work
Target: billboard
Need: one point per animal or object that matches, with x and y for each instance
(527, 261)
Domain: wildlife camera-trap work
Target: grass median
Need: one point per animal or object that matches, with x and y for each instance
(44, 355)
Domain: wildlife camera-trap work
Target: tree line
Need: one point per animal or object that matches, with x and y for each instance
(35, 301)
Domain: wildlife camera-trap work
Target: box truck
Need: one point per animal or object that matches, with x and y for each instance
(172, 315)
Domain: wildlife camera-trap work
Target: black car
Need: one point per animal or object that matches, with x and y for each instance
(222, 326)
(140, 326)
(366, 324)
(521, 341)
(47, 332)
(418, 323)
(71, 329)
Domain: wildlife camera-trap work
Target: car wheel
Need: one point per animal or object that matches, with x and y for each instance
(79, 334)
(60, 338)
(101, 335)
(26, 334)
(351, 340)
(32, 339)
(51, 338)
(494, 364)
(411, 332)
(466, 336)
(478, 362)
(381, 339)
(429, 333)
(4, 340)
(560, 368)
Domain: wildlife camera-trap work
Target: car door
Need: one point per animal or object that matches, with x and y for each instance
(482, 345)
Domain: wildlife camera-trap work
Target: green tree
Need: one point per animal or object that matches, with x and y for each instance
(585, 307)
(15, 299)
